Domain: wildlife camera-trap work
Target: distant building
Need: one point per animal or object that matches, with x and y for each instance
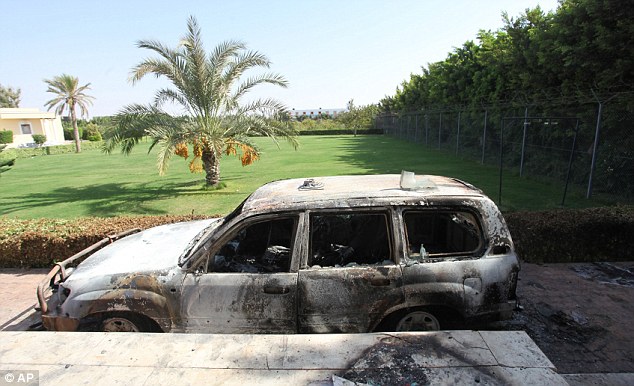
(26, 122)
(316, 113)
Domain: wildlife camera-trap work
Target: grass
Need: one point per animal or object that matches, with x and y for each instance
(96, 184)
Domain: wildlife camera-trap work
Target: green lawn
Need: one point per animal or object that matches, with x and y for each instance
(96, 184)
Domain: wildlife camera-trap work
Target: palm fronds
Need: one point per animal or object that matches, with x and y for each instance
(209, 87)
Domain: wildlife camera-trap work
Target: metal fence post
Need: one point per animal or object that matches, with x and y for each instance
(426, 130)
(524, 141)
(572, 156)
(458, 134)
(439, 128)
(484, 134)
(416, 128)
(594, 151)
(501, 161)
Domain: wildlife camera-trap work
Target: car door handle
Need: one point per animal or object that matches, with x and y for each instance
(379, 282)
(275, 290)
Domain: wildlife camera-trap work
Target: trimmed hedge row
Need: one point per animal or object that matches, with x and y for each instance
(340, 132)
(50, 150)
(560, 236)
(6, 136)
(42, 242)
(580, 235)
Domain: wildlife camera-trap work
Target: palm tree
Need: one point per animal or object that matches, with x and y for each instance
(209, 88)
(68, 96)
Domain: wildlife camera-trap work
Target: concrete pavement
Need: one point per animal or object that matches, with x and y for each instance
(157, 358)
(439, 358)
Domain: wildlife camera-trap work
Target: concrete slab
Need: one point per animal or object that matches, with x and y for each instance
(602, 379)
(445, 357)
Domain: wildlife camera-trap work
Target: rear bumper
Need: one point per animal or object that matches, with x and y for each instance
(506, 309)
(501, 311)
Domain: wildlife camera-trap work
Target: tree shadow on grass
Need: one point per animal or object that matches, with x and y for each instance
(376, 154)
(105, 200)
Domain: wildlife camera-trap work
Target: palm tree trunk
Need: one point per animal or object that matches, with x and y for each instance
(73, 118)
(212, 167)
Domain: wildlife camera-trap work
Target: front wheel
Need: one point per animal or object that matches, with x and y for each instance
(117, 324)
(417, 321)
(125, 322)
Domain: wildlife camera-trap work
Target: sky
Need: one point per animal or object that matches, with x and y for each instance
(329, 51)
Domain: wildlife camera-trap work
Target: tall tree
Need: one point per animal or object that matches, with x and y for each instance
(69, 95)
(9, 97)
(209, 88)
(358, 117)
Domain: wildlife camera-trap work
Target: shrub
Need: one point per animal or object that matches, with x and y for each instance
(6, 136)
(39, 139)
(92, 133)
(580, 235)
(42, 242)
(560, 236)
(50, 150)
(341, 132)
(68, 130)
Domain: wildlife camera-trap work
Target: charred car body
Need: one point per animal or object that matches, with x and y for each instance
(331, 254)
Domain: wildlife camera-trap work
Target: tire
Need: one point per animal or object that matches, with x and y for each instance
(419, 320)
(127, 323)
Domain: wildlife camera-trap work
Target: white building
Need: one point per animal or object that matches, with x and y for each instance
(316, 113)
(26, 122)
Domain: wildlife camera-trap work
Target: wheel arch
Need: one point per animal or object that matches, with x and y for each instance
(138, 303)
(143, 322)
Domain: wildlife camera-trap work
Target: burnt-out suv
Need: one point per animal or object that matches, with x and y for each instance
(329, 254)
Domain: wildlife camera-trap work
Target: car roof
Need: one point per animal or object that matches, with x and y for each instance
(358, 190)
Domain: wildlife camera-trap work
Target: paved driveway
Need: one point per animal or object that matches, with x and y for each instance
(17, 298)
(580, 315)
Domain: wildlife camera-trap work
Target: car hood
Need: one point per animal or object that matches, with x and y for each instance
(152, 250)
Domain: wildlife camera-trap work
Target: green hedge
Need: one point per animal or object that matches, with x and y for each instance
(39, 139)
(580, 235)
(6, 136)
(50, 150)
(42, 242)
(340, 132)
(560, 236)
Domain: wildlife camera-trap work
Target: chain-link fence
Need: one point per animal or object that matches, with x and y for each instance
(589, 145)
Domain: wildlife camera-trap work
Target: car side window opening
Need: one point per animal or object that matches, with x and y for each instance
(340, 239)
(441, 234)
(262, 247)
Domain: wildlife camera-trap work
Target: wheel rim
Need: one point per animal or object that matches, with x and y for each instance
(119, 325)
(418, 321)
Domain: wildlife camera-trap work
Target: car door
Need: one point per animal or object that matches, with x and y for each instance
(350, 280)
(442, 251)
(249, 285)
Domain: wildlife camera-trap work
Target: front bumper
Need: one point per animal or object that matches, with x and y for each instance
(50, 284)
(59, 323)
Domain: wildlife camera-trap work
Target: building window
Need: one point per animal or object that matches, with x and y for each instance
(26, 128)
